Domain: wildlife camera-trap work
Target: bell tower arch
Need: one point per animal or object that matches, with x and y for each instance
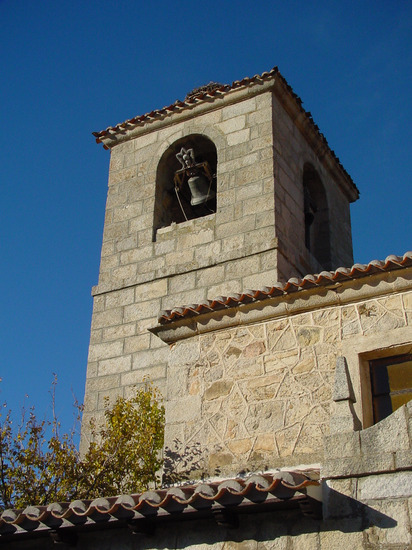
(185, 187)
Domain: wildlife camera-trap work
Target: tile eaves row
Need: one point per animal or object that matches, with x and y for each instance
(280, 485)
(211, 95)
(295, 284)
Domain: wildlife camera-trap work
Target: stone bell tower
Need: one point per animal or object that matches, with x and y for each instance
(232, 188)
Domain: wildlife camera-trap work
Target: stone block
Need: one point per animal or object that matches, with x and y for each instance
(240, 136)
(138, 376)
(124, 273)
(143, 141)
(249, 192)
(127, 243)
(106, 398)
(235, 242)
(105, 351)
(393, 485)
(220, 388)
(338, 498)
(109, 262)
(403, 459)
(242, 267)
(185, 280)
(179, 258)
(186, 352)
(240, 108)
(226, 288)
(134, 255)
(340, 534)
(150, 266)
(341, 467)
(115, 231)
(137, 343)
(208, 254)
(148, 358)
(258, 117)
(114, 365)
(260, 279)
(258, 205)
(144, 221)
(233, 124)
(184, 409)
(194, 238)
(164, 247)
(102, 383)
(342, 445)
(127, 211)
(389, 435)
(118, 332)
(195, 296)
(142, 310)
(150, 290)
(96, 336)
(210, 276)
(122, 175)
(119, 298)
(390, 525)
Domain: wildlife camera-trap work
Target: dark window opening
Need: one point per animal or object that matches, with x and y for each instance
(316, 212)
(185, 181)
(391, 384)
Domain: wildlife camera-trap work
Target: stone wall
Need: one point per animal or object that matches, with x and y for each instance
(222, 253)
(143, 271)
(291, 153)
(260, 395)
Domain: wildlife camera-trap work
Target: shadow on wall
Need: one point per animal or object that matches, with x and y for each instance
(262, 528)
(182, 465)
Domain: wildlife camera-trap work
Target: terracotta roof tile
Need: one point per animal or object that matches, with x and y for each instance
(211, 95)
(270, 487)
(294, 284)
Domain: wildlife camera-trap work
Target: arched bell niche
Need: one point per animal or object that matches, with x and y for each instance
(185, 181)
(317, 224)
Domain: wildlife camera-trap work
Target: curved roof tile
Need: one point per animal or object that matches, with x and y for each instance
(204, 97)
(203, 495)
(294, 284)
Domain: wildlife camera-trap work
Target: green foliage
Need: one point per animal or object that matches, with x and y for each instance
(37, 469)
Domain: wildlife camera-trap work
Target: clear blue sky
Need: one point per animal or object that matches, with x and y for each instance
(72, 67)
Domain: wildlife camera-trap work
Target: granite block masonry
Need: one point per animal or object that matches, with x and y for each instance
(264, 143)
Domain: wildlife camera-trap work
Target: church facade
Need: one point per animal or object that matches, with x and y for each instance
(227, 279)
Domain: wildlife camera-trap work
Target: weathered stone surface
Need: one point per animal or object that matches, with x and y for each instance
(342, 390)
(375, 487)
(218, 389)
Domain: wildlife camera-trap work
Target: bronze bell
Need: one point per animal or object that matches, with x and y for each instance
(200, 190)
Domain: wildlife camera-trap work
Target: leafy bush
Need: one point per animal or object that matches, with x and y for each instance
(123, 457)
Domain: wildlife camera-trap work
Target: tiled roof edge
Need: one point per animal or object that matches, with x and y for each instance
(294, 284)
(255, 488)
(220, 91)
(179, 105)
